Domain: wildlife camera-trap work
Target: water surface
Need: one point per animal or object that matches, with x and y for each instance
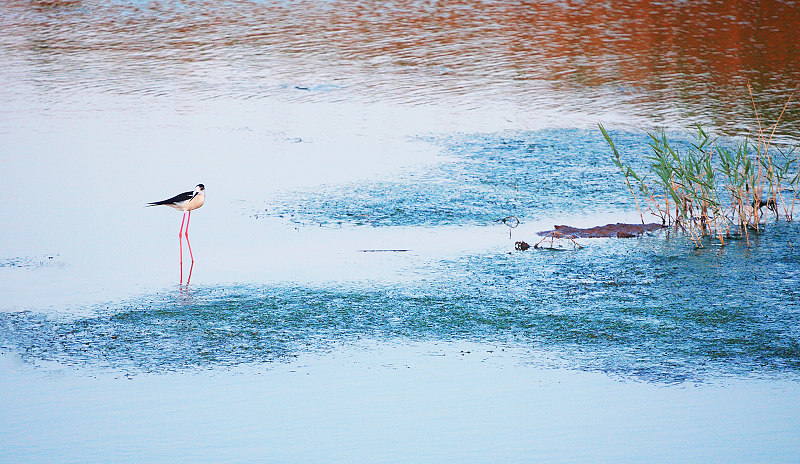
(359, 159)
(664, 63)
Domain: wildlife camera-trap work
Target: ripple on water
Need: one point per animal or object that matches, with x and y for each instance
(649, 61)
(481, 179)
(645, 309)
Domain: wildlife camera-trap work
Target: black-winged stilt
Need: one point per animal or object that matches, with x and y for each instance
(186, 202)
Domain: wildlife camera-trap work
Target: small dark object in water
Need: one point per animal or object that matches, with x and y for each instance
(510, 221)
(618, 230)
(521, 246)
(770, 204)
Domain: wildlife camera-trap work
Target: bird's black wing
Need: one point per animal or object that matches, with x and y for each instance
(181, 197)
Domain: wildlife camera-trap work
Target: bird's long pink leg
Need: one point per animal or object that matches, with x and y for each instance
(180, 244)
(180, 240)
(187, 236)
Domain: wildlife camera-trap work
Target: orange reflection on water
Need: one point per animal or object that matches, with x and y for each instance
(667, 60)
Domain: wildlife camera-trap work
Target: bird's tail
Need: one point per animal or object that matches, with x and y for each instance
(158, 203)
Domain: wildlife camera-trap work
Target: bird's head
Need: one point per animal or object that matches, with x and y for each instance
(199, 188)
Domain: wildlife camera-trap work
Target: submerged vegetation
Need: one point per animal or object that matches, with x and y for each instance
(713, 190)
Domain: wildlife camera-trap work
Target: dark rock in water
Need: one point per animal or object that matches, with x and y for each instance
(521, 246)
(609, 230)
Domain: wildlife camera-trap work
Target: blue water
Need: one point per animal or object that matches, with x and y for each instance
(653, 308)
(639, 308)
(529, 175)
(109, 105)
(356, 295)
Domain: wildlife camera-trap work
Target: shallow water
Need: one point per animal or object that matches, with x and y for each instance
(359, 161)
(652, 308)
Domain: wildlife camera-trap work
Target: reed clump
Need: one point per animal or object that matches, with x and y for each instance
(716, 191)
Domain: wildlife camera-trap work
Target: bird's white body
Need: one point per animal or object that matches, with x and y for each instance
(193, 203)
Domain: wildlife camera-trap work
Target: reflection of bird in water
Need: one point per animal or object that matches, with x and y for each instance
(186, 202)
